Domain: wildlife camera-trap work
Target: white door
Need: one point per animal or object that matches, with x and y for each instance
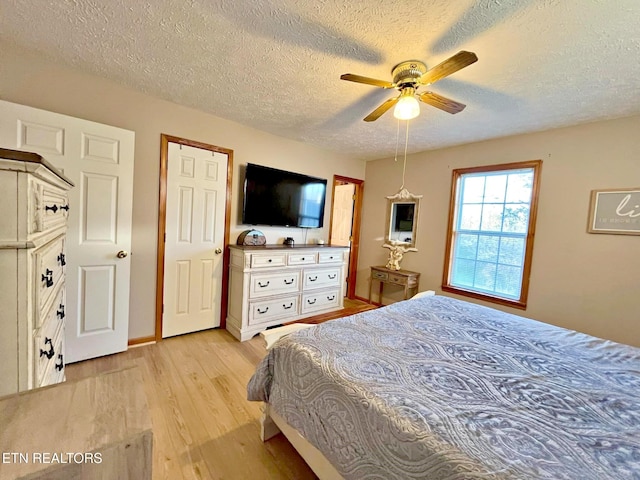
(196, 194)
(98, 159)
(342, 216)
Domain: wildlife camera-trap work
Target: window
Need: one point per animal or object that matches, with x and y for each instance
(491, 227)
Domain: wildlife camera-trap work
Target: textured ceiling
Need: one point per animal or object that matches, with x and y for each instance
(276, 65)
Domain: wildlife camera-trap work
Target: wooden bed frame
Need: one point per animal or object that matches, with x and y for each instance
(272, 423)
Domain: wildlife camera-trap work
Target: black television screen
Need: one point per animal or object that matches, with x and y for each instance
(281, 198)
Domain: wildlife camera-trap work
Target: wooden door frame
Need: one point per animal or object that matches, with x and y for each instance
(355, 227)
(162, 222)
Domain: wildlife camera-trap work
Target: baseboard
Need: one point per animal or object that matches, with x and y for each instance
(137, 342)
(362, 299)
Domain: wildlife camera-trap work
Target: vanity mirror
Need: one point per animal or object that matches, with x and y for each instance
(402, 218)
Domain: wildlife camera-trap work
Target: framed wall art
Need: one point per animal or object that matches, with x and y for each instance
(615, 211)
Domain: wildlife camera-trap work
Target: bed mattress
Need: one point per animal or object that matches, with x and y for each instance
(438, 388)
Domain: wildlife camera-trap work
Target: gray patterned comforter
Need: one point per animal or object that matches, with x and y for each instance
(437, 388)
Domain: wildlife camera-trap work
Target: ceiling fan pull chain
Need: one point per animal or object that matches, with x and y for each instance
(395, 159)
(406, 144)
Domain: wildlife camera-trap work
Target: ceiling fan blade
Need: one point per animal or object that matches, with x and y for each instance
(369, 81)
(377, 113)
(443, 103)
(451, 65)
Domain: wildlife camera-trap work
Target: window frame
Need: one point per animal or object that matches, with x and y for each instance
(457, 174)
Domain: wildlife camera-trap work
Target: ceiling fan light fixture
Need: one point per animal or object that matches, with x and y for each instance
(406, 108)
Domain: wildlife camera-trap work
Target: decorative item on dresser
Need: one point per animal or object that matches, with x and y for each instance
(32, 271)
(272, 284)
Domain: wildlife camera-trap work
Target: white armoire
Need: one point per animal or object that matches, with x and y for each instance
(33, 226)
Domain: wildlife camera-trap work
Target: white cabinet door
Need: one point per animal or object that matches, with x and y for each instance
(98, 159)
(196, 195)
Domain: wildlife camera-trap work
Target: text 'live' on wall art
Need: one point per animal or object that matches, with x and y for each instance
(615, 211)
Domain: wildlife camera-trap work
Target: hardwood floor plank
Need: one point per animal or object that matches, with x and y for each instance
(203, 425)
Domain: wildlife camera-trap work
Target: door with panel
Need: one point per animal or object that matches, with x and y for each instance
(194, 239)
(99, 161)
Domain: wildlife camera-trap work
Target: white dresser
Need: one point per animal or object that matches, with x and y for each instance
(273, 284)
(33, 225)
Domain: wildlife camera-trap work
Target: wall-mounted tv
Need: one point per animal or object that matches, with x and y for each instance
(280, 198)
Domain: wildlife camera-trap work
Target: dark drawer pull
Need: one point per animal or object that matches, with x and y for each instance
(53, 208)
(47, 277)
(60, 366)
(270, 260)
(331, 257)
(287, 307)
(62, 260)
(310, 302)
(64, 207)
(331, 277)
(313, 279)
(50, 353)
(263, 311)
(60, 313)
(331, 298)
(261, 285)
(289, 282)
(303, 259)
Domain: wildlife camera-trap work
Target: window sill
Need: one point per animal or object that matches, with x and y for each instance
(520, 304)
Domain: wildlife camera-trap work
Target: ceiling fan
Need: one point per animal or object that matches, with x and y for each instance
(408, 76)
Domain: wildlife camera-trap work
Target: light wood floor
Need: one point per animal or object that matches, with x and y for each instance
(203, 425)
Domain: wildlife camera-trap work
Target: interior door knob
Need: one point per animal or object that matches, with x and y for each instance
(218, 251)
(122, 254)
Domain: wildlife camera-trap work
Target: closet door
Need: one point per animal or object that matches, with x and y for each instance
(99, 161)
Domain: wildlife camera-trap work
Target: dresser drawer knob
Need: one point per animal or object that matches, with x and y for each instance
(53, 208)
(310, 302)
(265, 285)
(60, 366)
(287, 307)
(60, 313)
(313, 279)
(331, 277)
(331, 298)
(64, 207)
(50, 353)
(288, 282)
(62, 260)
(47, 277)
(263, 311)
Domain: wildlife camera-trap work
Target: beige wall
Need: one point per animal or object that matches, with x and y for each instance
(586, 282)
(28, 79)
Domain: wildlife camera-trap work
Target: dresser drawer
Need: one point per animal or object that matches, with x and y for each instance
(320, 300)
(47, 345)
(397, 279)
(274, 283)
(48, 209)
(377, 275)
(268, 310)
(49, 262)
(54, 372)
(55, 312)
(259, 260)
(317, 278)
(330, 257)
(302, 258)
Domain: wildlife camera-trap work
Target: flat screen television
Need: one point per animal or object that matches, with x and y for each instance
(280, 198)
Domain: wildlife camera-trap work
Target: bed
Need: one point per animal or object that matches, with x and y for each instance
(439, 388)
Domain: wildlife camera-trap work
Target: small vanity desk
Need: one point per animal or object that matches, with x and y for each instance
(405, 278)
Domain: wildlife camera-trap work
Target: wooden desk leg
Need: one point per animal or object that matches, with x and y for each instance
(380, 292)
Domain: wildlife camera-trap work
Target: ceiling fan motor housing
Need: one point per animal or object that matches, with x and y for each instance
(408, 73)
